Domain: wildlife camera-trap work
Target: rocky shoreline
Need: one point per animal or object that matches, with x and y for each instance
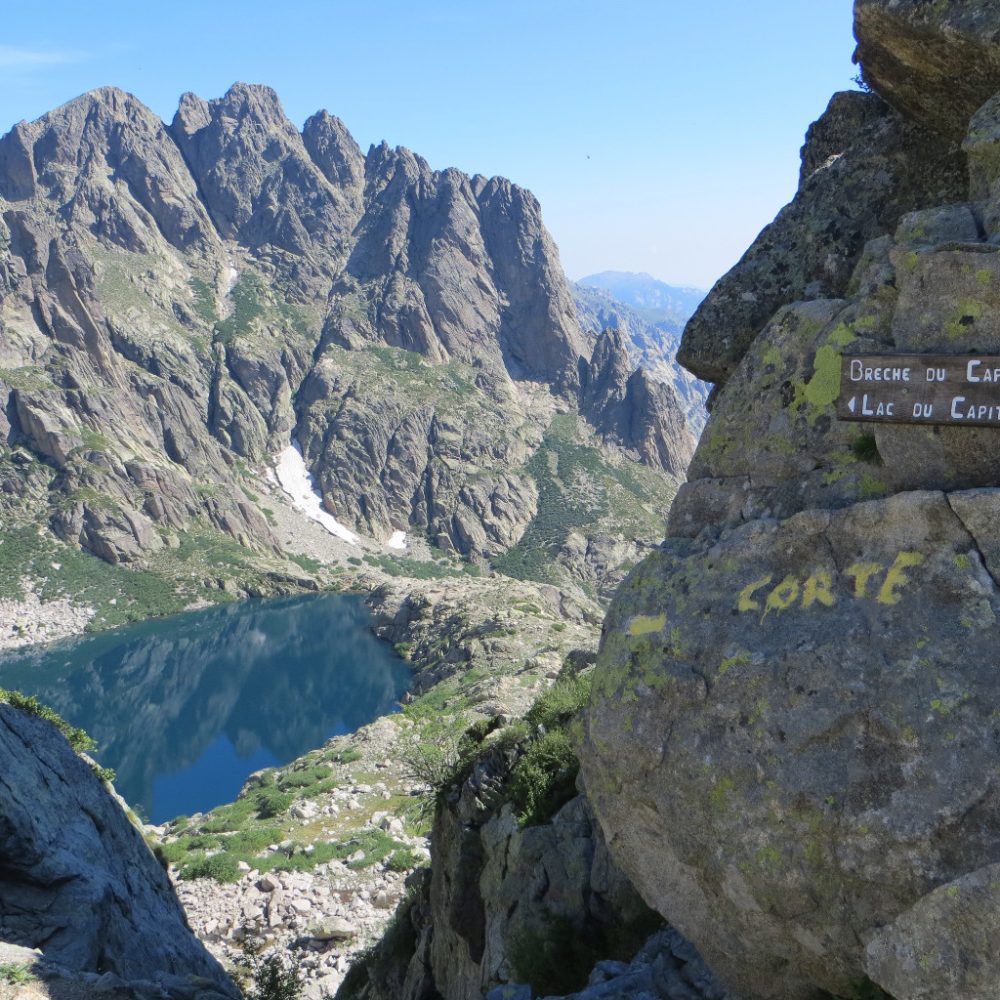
(31, 620)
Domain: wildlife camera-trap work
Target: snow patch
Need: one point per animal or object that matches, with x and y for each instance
(398, 540)
(297, 482)
(231, 279)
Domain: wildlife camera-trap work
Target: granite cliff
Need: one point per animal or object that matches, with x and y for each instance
(792, 745)
(178, 303)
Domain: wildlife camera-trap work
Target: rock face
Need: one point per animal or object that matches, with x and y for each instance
(501, 896)
(213, 289)
(76, 878)
(791, 741)
(652, 344)
(630, 407)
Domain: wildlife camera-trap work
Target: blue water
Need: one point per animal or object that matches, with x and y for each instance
(185, 708)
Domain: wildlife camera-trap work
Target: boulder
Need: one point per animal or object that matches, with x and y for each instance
(945, 944)
(792, 739)
(933, 62)
(881, 170)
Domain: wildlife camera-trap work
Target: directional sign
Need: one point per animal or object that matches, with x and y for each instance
(962, 390)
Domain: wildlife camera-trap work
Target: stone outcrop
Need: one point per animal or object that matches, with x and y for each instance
(652, 346)
(76, 877)
(631, 408)
(503, 900)
(791, 743)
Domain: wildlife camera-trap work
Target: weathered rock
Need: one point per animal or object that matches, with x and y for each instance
(888, 167)
(790, 739)
(498, 892)
(772, 742)
(945, 944)
(78, 881)
(934, 62)
(183, 286)
(258, 179)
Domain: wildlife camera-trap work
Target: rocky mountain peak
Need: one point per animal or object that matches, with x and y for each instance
(629, 406)
(106, 162)
(256, 176)
(225, 284)
(334, 150)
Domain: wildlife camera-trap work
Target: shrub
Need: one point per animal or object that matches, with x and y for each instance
(865, 449)
(220, 867)
(14, 974)
(75, 736)
(271, 978)
(403, 860)
(273, 803)
(432, 762)
(560, 703)
(554, 959)
(304, 778)
(544, 779)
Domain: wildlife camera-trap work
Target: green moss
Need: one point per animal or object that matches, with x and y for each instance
(647, 624)
(870, 487)
(740, 659)
(964, 318)
(773, 357)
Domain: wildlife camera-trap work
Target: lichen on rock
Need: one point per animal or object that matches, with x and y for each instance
(791, 745)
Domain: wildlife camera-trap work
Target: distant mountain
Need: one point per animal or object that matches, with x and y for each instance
(652, 342)
(655, 300)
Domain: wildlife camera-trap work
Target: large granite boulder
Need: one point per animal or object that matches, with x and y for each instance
(934, 62)
(792, 738)
(792, 746)
(76, 877)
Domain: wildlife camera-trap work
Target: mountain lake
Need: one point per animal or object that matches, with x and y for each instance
(186, 708)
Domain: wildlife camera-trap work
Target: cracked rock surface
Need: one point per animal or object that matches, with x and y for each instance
(792, 745)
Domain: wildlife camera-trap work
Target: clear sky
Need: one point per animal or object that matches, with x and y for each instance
(659, 135)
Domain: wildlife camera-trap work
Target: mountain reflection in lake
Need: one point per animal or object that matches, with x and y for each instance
(185, 708)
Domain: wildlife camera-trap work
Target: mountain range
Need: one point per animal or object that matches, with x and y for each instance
(179, 303)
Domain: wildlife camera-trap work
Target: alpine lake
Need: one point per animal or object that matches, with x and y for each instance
(186, 708)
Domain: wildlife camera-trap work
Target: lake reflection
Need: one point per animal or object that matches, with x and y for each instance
(184, 708)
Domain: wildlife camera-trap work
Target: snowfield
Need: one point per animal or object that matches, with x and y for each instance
(296, 480)
(398, 540)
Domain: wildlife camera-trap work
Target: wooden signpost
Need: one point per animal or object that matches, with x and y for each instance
(961, 390)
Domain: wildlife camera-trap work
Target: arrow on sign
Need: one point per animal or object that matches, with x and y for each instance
(853, 404)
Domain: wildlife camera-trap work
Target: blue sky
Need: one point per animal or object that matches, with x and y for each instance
(659, 136)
